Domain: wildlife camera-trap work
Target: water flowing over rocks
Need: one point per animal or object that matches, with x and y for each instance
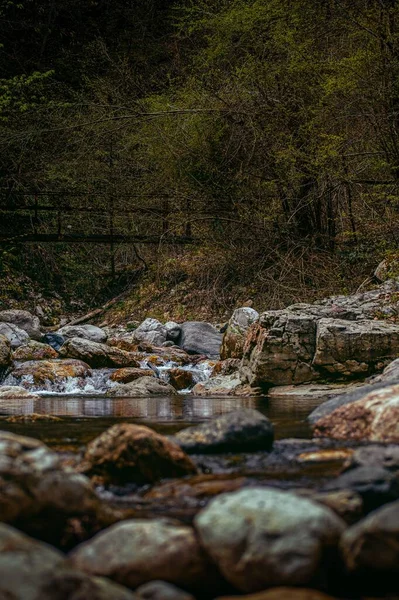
(262, 537)
(16, 336)
(86, 332)
(40, 371)
(34, 351)
(245, 430)
(135, 453)
(237, 327)
(98, 355)
(137, 551)
(23, 320)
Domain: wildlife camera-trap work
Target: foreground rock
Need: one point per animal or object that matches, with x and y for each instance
(142, 387)
(138, 551)
(86, 332)
(16, 336)
(161, 590)
(135, 453)
(234, 336)
(34, 351)
(244, 430)
(375, 455)
(15, 391)
(371, 547)
(283, 593)
(375, 417)
(98, 355)
(197, 337)
(261, 537)
(5, 355)
(23, 320)
(40, 371)
(34, 483)
(31, 570)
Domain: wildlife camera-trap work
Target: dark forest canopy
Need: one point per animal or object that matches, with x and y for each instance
(265, 130)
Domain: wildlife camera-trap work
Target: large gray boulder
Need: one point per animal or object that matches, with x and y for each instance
(237, 327)
(372, 545)
(142, 387)
(197, 337)
(244, 430)
(98, 355)
(16, 336)
(87, 332)
(261, 537)
(137, 551)
(151, 331)
(23, 320)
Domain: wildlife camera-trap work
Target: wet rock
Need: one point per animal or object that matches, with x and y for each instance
(386, 457)
(23, 320)
(86, 332)
(283, 593)
(26, 565)
(321, 391)
(34, 351)
(229, 366)
(98, 355)
(135, 453)
(16, 336)
(371, 547)
(244, 430)
(237, 327)
(15, 391)
(55, 370)
(33, 481)
(198, 337)
(5, 355)
(137, 551)
(279, 349)
(375, 417)
(161, 590)
(375, 485)
(151, 331)
(181, 379)
(129, 374)
(54, 340)
(348, 349)
(68, 584)
(261, 537)
(224, 385)
(347, 504)
(141, 387)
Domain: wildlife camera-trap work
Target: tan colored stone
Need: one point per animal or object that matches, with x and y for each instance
(34, 351)
(51, 370)
(129, 374)
(282, 593)
(180, 379)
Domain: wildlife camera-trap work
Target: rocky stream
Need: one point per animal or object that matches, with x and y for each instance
(257, 460)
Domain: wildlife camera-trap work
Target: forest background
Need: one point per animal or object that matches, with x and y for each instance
(254, 143)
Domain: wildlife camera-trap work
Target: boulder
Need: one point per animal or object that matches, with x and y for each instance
(54, 340)
(374, 417)
(375, 485)
(389, 375)
(197, 337)
(129, 374)
(283, 593)
(386, 457)
(181, 379)
(34, 351)
(23, 320)
(40, 371)
(98, 355)
(135, 453)
(229, 366)
(137, 551)
(16, 336)
(371, 547)
(26, 565)
(223, 385)
(349, 349)
(70, 584)
(279, 349)
(261, 537)
(33, 482)
(142, 387)
(15, 391)
(173, 331)
(5, 356)
(151, 331)
(86, 332)
(237, 327)
(244, 430)
(387, 268)
(161, 590)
